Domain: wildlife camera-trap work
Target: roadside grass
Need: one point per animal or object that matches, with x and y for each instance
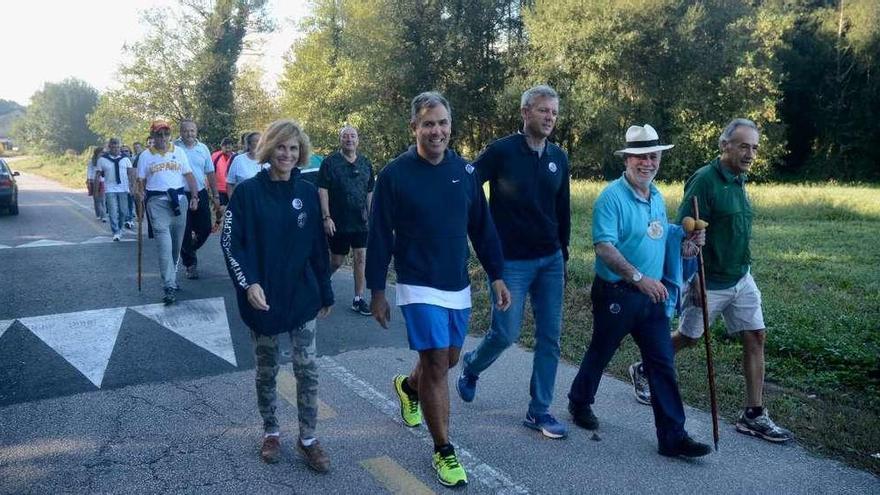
(69, 170)
(817, 263)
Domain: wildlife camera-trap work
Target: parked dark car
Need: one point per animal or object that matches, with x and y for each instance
(8, 188)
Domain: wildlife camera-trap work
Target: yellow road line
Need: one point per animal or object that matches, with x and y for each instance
(394, 477)
(286, 385)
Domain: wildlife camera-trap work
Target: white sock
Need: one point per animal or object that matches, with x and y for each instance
(308, 441)
(276, 434)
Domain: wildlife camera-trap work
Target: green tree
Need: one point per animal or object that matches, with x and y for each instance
(831, 89)
(156, 78)
(360, 62)
(224, 29)
(255, 106)
(686, 68)
(55, 121)
(184, 68)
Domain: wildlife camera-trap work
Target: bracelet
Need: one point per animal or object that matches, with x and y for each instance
(327, 217)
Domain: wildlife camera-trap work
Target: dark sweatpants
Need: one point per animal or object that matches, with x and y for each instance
(198, 229)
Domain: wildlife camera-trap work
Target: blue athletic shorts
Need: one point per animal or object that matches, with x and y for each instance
(434, 327)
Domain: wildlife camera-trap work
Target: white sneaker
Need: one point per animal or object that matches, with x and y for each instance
(117, 237)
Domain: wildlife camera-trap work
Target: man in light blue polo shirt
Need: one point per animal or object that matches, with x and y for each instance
(630, 230)
(198, 223)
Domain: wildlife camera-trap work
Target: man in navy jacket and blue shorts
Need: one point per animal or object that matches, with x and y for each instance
(426, 205)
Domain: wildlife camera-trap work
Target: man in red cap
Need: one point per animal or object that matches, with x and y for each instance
(162, 170)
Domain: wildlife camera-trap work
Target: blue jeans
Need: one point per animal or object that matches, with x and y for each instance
(543, 279)
(620, 309)
(117, 209)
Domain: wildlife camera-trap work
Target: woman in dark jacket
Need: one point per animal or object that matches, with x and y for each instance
(277, 256)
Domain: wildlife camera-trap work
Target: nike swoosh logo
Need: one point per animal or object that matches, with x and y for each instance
(455, 181)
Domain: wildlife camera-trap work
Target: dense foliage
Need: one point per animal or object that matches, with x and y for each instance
(805, 70)
(801, 69)
(185, 68)
(55, 121)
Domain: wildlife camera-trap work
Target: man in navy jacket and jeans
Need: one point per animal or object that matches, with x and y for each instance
(426, 205)
(529, 199)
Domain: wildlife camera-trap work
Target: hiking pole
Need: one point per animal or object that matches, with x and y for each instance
(140, 250)
(710, 365)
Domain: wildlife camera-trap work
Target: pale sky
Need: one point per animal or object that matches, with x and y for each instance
(51, 40)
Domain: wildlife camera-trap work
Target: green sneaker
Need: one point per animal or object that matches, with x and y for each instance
(449, 471)
(409, 407)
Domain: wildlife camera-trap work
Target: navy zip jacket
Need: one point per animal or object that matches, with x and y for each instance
(272, 236)
(423, 214)
(528, 196)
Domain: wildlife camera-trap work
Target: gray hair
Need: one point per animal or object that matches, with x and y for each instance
(428, 99)
(728, 131)
(539, 91)
(347, 127)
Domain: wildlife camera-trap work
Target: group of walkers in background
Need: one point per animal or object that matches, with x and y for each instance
(283, 237)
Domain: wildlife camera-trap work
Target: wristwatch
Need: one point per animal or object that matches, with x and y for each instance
(636, 277)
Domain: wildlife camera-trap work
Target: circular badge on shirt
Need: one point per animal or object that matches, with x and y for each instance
(301, 219)
(614, 308)
(297, 204)
(469, 168)
(655, 230)
(552, 167)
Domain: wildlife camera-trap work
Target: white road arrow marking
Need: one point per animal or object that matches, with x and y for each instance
(201, 321)
(85, 338)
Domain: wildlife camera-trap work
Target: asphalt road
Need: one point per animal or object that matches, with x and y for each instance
(103, 390)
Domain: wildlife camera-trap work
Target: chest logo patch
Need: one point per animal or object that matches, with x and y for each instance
(297, 204)
(301, 219)
(552, 167)
(655, 230)
(469, 168)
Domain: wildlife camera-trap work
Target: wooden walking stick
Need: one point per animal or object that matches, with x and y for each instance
(140, 250)
(710, 365)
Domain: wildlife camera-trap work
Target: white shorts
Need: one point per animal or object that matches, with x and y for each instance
(739, 306)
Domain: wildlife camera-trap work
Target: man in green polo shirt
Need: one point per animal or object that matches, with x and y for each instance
(719, 187)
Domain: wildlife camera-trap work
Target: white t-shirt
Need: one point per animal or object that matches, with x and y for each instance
(242, 168)
(418, 294)
(109, 169)
(163, 171)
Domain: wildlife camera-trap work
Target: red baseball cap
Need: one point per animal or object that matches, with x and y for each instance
(158, 125)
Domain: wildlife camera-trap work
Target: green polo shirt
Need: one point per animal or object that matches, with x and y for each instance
(725, 205)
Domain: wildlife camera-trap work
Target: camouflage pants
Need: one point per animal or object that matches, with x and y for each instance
(304, 368)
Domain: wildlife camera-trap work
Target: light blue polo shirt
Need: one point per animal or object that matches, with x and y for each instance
(199, 160)
(635, 226)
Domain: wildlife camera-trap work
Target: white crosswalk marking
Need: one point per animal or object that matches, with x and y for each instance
(201, 321)
(85, 338)
(4, 326)
(43, 243)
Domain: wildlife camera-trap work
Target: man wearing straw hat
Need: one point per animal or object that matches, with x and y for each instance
(630, 231)
(719, 187)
